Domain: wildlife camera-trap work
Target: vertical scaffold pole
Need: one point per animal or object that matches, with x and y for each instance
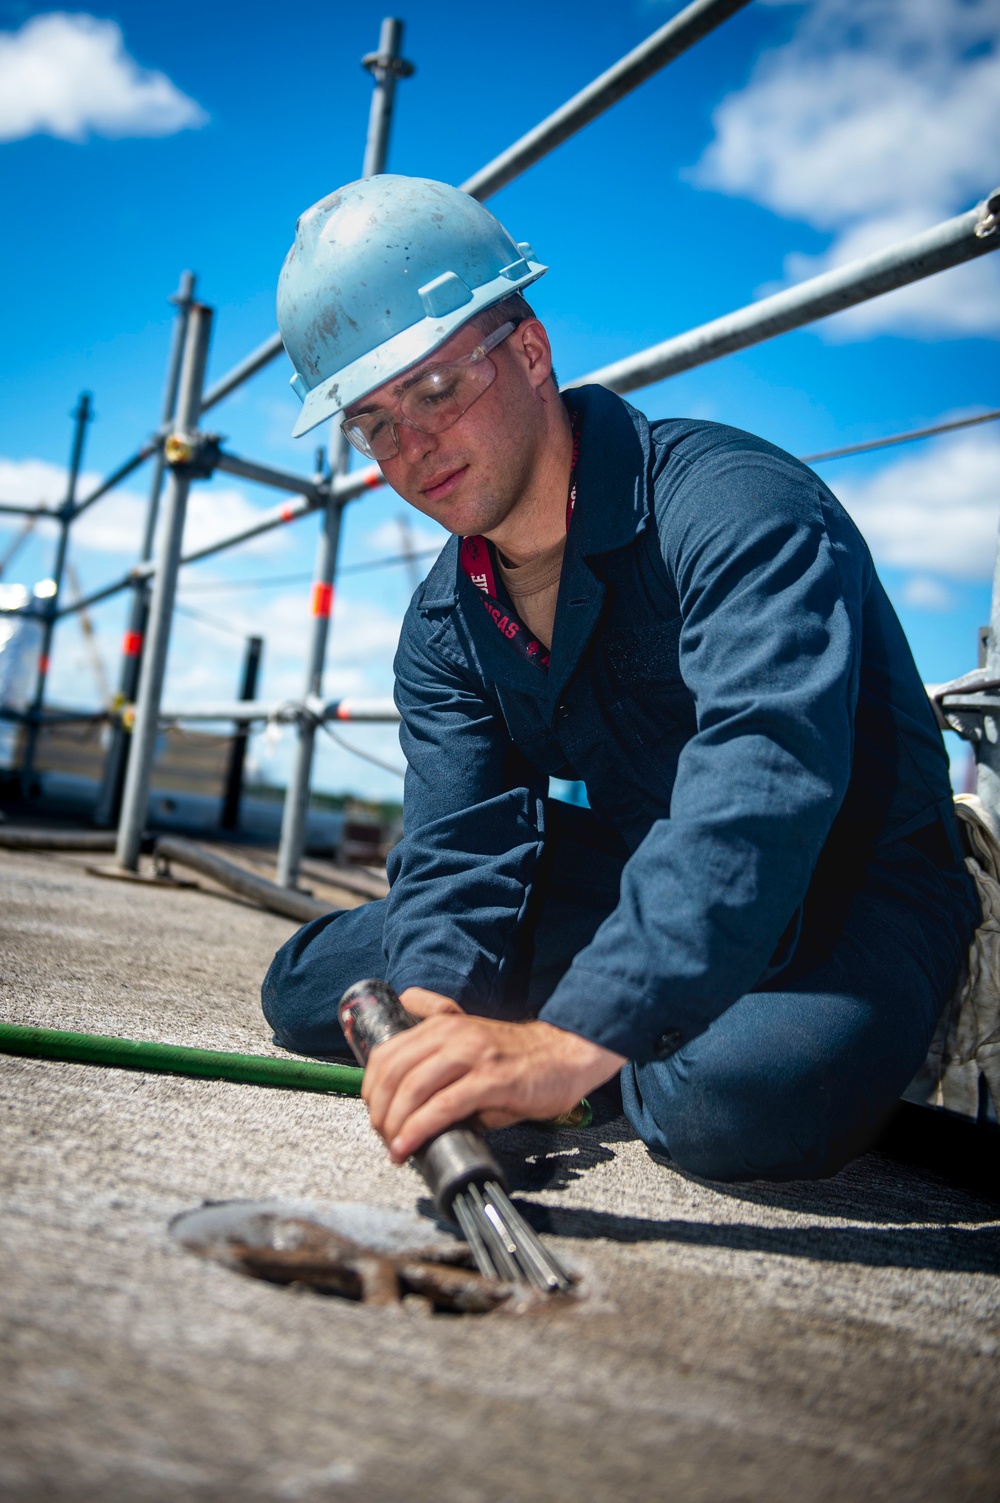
(154, 658)
(81, 417)
(386, 66)
(233, 791)
(295, 814)
(109, 799)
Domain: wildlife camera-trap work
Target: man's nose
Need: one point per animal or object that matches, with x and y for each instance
(414, 444)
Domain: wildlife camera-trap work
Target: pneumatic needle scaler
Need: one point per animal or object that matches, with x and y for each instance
(461, 1173)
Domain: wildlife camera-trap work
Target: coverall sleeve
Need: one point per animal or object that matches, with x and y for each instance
(473, 825)
(770, 578)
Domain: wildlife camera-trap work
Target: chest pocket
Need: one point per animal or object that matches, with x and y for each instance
(646, 656)
(643, 668)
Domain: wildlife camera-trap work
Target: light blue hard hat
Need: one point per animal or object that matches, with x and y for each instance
(381, 273)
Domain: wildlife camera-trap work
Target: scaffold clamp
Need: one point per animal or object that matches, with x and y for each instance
(387, 63)
(195, 455)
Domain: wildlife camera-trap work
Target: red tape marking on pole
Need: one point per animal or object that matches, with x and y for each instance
(288, 512)
(132, 644)
(43, 664)
(322, 599)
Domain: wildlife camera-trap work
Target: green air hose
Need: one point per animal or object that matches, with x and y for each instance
(175, 1059)
(210, 1064)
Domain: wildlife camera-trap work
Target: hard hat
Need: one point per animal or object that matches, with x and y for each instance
(381, 273)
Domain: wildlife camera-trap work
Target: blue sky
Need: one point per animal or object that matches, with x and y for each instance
(796, 136)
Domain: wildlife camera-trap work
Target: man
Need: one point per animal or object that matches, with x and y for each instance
(760, 917)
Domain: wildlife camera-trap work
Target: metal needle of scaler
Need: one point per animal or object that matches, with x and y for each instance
(534, 1266)
(504, 1258)
(483, 1258)
(523, 1265)
(519, 1240)
(528, 1240)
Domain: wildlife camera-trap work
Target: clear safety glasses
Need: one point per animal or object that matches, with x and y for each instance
(434, 401)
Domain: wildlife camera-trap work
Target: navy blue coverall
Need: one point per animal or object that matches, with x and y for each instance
(765, 907)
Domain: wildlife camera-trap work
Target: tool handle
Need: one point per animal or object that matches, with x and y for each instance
(370, 1012)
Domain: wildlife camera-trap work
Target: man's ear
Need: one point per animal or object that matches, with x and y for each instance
(531, 347)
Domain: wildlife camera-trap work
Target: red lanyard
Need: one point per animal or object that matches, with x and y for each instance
(476, 558)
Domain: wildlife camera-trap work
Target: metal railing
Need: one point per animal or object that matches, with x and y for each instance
(949, 244)
(184, 453)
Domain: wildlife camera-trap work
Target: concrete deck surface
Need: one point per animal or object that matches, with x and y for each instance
(821, 1342)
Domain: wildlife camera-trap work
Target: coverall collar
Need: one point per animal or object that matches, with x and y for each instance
(612, 509)
(612, 471)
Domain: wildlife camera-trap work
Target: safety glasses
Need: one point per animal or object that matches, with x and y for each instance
(434, 400)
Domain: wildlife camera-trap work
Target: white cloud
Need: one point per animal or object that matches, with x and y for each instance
(935, 511)
(70, 76)
(922, 593)
(214, 512)
(32, 482)
(877, 119)
(113, 525)
(363, 636)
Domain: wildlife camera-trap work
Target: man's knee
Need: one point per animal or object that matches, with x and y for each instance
(312, 970)
(734, 1125)
(786, 1084)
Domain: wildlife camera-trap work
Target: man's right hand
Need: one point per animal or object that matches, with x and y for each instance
(424, 1004)
(452, 1067)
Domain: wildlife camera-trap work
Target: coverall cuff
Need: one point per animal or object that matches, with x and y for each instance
(617, 1013)
(433, 978)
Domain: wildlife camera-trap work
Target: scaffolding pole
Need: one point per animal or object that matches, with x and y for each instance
(49, 613)
(673, 38)
(346, 489)
(386, 66)
(254, 362)
(16, 509)
(109, 799)
(233, 792)
(951, 426)
(154, 660)
(266, 474)
(286, 711)
(117, 476)
(948, 244)
(295, 812)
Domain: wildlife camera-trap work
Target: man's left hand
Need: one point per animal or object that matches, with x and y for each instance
(452, 1066)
